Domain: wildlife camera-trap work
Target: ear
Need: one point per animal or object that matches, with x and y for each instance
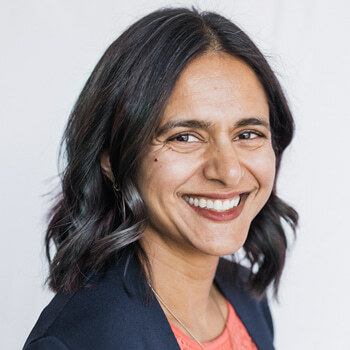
(106, 165)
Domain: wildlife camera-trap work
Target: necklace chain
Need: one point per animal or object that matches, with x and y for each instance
(181, 323)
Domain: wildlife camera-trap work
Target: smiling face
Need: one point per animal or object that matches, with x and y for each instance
(210, 168)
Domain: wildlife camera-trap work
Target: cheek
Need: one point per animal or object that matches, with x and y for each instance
(268, 170)
(262, 165)
(164, 170)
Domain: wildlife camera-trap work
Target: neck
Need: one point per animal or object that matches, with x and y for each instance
(184, 280)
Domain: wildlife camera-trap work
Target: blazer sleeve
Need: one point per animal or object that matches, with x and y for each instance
(46, 343)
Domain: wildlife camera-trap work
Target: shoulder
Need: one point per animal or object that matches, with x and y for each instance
(46, 343)
(73, 314)
(101, 316)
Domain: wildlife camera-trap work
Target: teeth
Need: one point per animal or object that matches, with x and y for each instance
(217, 205)
(202, 203)
(226, 205)
(235, 201)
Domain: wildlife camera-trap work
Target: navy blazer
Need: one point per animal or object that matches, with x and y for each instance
(108, 316)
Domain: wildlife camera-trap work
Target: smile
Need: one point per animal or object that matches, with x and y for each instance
(214, 204)
(220, 208)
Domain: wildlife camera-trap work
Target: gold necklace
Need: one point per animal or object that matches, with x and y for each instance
(184, 327)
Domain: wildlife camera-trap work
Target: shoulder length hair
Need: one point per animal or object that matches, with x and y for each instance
(118, 111)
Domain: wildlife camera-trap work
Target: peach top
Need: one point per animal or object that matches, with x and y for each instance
(240, 337)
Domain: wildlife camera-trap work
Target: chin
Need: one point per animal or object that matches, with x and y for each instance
(221, 247)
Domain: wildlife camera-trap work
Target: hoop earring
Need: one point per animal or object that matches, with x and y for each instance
(116, 188)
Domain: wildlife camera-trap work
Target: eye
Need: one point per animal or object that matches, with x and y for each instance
(248, 135)
(184, 138)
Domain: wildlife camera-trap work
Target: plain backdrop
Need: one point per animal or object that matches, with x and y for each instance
(48, 50)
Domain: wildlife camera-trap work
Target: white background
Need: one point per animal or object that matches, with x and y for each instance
(49, 48)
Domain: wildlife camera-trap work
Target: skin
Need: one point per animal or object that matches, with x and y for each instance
(219, 156)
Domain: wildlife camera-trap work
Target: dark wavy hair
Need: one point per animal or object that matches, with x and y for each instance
(118, 111)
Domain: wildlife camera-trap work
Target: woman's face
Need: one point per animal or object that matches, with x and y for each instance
(211, 167)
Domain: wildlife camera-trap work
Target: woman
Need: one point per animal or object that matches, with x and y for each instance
(172, 151)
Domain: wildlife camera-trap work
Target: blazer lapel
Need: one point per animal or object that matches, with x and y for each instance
(247, 308)
(156, 332)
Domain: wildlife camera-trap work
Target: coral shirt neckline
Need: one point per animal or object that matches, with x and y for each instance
(239, 336)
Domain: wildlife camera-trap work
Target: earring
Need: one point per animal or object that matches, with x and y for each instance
(116, 187)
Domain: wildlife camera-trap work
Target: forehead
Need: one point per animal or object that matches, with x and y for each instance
(216, 85)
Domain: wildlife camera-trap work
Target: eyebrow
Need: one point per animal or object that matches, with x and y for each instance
(181, 123)
(252, 121)
(202, 124)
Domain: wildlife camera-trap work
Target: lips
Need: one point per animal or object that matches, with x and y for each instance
(213, 204)
(217, 209)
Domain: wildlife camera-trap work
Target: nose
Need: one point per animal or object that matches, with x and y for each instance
(223, 164)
